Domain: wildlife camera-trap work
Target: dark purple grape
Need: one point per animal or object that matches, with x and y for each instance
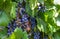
(11, 26)
(33, 22)
(33, 25)
(25, 18)
(19, 4)
(25, 15)
(12, 30)
(36, 35)
(9, 32)
(21, 20)
(14, 24)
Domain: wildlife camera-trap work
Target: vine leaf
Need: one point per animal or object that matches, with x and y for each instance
(18, 34)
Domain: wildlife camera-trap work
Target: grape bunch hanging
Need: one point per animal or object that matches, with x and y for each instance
(25, 22)
(22, 20)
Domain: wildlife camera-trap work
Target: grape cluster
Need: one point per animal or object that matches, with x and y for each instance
(11, 27)
(22, 20)
(26, 22)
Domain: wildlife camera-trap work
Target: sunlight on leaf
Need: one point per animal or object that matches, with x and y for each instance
(56, 14)
(57, 2)
(33, 4)
(58, 23)
(46, 17)
(13, 10)
(12, 36)
(52, 28)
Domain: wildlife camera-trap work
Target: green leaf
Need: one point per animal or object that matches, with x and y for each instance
(4, 19)
(49, 13)
(19, 1)
(6, 6)
(57, 35)
(3, 32)
(48, 3)
(52, 28)
(41, 1)
(18, 34)
(28, 9)
(42, 26)
(58, 20)
(13, 10)
(2, 1)
(25, 36)
(33, 4)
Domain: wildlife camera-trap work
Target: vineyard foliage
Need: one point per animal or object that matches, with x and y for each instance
(47, 21)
